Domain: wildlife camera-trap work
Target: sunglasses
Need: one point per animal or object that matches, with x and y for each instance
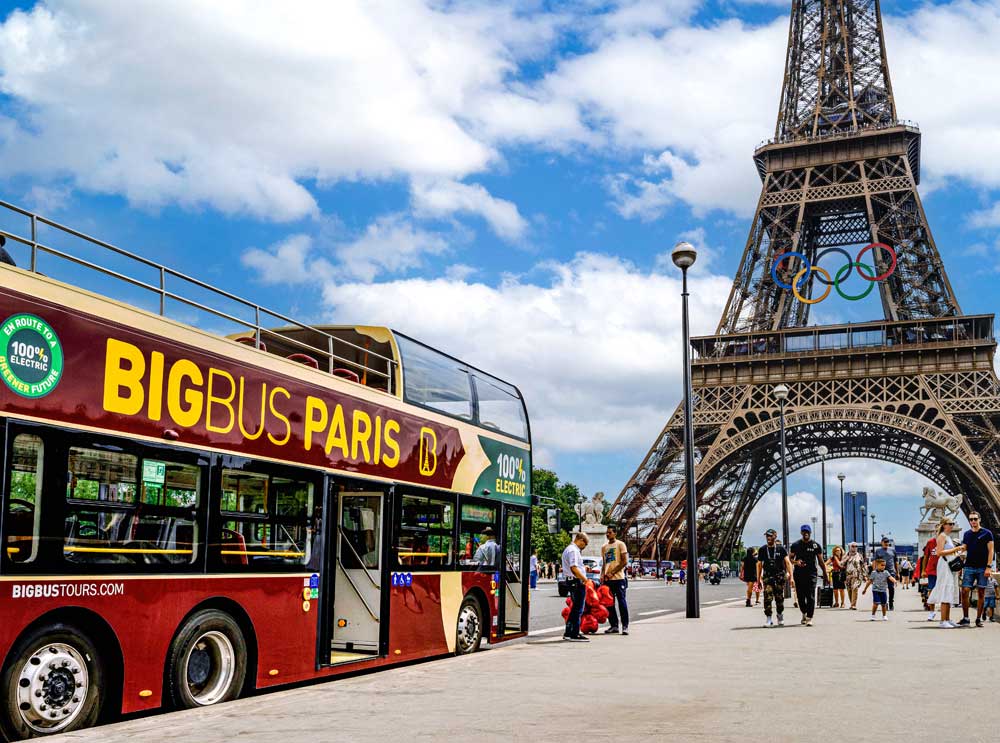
(974, 519)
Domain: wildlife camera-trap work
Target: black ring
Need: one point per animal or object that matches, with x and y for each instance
(844, 253)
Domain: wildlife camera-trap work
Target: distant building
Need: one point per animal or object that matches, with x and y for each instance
(854, 527)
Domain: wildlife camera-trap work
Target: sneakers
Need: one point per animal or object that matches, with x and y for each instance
(964, 623)
(781, 620)
(768, 622)
(624, 630)
(809, 622)
(979, 622)
(748, 602)
(872, 619)
(885, 617)
(576, 638)
(931, 616)
(803, 620)
(947, 625)
(611, 631)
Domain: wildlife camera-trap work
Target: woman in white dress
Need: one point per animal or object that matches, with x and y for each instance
(945, 593)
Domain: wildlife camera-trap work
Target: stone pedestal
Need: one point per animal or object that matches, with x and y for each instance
(597, 534)
(926, 531)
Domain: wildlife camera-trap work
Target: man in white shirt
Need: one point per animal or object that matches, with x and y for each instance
(488, 552)
(576, 579)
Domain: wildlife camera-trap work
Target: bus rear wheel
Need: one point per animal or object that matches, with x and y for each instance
(53, 684)
(207, 662)
(469, 632)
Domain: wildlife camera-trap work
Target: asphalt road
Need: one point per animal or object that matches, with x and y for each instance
(646, 598)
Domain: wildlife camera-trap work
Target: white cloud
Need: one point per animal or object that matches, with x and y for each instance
(986, 217)
(285, 262)
(594, 344)
(443, 198)
(802, 507)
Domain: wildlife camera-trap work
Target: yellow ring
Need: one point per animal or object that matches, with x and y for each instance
(804, 271)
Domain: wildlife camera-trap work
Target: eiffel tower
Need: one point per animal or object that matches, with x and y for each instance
(916, 388)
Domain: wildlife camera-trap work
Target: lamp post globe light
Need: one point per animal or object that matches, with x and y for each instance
(843, 512)
(684, 255)
(823, 451)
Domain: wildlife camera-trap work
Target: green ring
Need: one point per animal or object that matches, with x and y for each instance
(847, 268)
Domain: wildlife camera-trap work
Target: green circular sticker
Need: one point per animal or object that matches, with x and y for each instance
(31, 356)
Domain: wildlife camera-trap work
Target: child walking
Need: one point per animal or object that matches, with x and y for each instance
(990, 600)
(879, 580)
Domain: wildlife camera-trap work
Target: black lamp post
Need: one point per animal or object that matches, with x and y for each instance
(823, 451)
(684, 255)
(781, 393)
(873, 535)
(843, 513)
(864, 526)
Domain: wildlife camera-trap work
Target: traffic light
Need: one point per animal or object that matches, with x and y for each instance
(553, 519)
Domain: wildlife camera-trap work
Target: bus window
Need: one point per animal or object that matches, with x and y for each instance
(25, 495)
(500, 407)
(265, 522)
(475, 519)
(107, 524)
(434, 380)
(426, 530)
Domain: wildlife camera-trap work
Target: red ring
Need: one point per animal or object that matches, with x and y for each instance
(888, 272)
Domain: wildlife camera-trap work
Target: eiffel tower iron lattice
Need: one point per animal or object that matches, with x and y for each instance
(916, 388)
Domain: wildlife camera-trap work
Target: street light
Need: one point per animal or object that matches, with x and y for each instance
(684, 255)
(823, 451)
(843, 512)
(781, 393)
(864, 540)
(873, 535)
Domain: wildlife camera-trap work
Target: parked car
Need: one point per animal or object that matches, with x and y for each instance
(591, 566)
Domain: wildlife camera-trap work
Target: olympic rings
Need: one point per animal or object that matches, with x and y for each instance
(803, 274)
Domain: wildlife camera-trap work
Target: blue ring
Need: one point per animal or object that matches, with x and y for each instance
(778, 259)
(844, 253)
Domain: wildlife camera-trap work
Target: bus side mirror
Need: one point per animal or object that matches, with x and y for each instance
(553, 519)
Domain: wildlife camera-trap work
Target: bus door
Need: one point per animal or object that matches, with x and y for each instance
(358, 591)
(515, 572)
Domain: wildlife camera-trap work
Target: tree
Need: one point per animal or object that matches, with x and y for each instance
(545, 483)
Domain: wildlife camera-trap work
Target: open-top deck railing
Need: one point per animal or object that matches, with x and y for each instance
(262, 325)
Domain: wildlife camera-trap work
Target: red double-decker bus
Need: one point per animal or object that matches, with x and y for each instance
(190, 515)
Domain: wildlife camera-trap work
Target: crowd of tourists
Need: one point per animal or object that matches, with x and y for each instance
(945, 574)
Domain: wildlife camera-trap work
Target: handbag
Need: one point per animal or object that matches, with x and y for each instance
(956, 563)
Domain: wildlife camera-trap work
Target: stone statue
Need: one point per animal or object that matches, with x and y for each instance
(938, 505)
(592, 510)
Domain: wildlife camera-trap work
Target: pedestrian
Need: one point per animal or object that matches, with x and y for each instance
(773, 567)
(888, 553)
(929, 571)
(748, 574)
(668, 576)
(945, 593)
(614, 556)
(533, 568)
(879, 579)
(805, 553)
(978, 566)
(990, 602)
(576, 580)
(839, 577)
(854, 571)
(905, 568)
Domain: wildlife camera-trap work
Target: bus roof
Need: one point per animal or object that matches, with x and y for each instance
(368, 355)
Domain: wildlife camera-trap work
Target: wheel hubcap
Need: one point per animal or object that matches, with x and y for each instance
(468, 628)
(210, 668)
(52, 687)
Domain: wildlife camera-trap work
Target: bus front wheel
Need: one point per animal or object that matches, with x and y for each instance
(207, 662)
(469, 632)
(53, 684)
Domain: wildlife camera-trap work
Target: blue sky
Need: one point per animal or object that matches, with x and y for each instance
(501, 180)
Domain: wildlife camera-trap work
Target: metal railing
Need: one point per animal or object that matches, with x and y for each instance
(264, 322)
(839, 134)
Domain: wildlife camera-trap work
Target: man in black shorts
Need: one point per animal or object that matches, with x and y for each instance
(772, 569)
(804, 555)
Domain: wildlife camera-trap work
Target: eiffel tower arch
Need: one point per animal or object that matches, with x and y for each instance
(916, 388)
